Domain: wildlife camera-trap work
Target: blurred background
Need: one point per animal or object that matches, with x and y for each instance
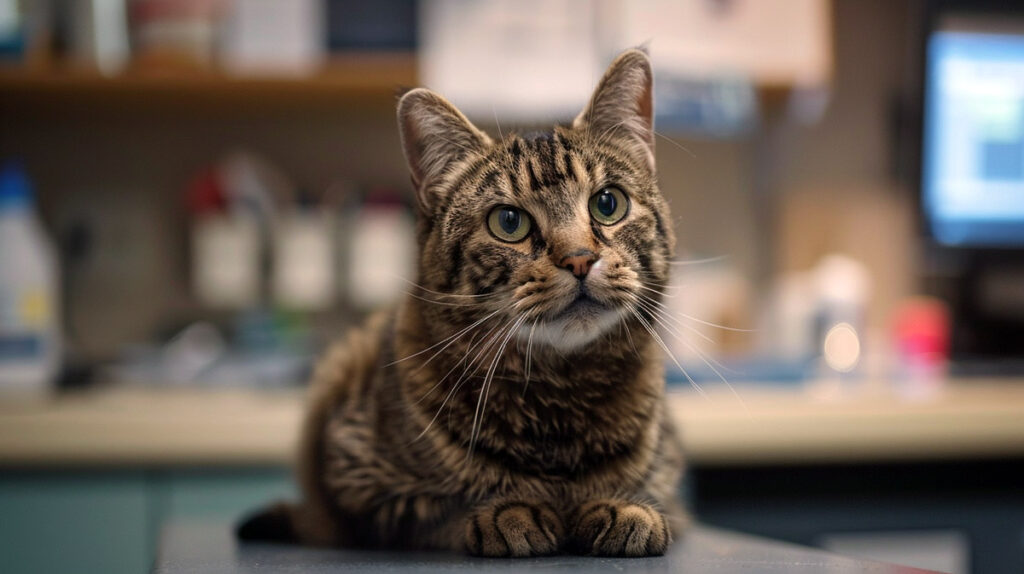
(196, 196)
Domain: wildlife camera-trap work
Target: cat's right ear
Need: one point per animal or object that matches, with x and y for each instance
(434, 136)
(623, 105)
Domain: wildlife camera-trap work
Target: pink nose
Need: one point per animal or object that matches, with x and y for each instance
(579, 262)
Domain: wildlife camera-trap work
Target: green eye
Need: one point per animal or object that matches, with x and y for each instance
(609, 205)
(509, 223)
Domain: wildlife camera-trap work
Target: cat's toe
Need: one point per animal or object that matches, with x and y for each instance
(514, 529)
(615, 528)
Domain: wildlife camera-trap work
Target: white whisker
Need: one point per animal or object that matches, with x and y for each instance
(653, 290)
(431, 291)
(699, 261)
(629, 337)
(436, 302)
(450, 339)
(485, 387)
(675, 143)
(470, 347)
(694, 319)
(462, 377)
(529, 355)
(661, 343)
(702, 356)
(654, 310)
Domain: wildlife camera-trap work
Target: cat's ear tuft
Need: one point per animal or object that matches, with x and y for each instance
(434, 135)
(623, 105)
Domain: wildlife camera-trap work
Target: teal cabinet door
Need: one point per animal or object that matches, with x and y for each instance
(109, 522)
(75, 522)
(220, 496)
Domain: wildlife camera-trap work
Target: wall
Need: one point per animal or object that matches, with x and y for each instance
(125, 167)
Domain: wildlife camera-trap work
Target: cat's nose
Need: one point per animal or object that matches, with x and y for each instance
(579, 262)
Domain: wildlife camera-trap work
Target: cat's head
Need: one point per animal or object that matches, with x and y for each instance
(559, 236)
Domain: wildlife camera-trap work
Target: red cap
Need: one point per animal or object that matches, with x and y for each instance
(921, 327)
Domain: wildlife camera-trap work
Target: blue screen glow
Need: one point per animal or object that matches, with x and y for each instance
(973, 180)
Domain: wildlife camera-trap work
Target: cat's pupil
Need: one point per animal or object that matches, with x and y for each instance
(509, 220)
(606, 203)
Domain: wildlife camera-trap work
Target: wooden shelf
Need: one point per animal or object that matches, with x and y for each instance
(366, 79)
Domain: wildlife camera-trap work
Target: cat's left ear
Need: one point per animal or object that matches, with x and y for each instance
(623, 105)
(434, 135)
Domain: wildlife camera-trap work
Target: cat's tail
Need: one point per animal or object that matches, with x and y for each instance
(290, 523)
(274, 523)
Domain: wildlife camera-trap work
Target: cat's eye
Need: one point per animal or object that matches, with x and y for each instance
(609, 205)
(509, 223)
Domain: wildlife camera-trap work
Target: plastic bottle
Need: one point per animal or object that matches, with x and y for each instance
(30, 342)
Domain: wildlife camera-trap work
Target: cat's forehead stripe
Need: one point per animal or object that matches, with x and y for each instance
(545, 164)
(539, 164)
(490, 181)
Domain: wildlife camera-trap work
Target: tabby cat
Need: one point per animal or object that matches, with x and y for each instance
(513, 404)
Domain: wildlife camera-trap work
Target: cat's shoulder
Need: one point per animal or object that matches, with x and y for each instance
(350, 362)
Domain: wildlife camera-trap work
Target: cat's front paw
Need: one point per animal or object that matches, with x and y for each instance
(619, 528)
(514, 528)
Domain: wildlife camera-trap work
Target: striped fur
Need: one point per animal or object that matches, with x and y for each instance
(492, 411)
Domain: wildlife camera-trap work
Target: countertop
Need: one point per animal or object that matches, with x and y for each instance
(145, 426)
(202, 547)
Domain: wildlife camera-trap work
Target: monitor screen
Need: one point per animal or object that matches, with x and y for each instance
(973, 161)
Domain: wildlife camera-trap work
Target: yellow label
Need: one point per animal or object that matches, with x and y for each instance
(34, 309)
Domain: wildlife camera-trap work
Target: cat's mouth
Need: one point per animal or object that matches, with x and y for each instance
(584, 306)
(576, 324)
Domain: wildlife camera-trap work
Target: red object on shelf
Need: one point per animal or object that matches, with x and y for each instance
(205, 193)
(921, 328)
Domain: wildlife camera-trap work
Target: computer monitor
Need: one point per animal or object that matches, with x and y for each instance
(973, 146)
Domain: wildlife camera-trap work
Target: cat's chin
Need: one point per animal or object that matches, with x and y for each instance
(572, 329)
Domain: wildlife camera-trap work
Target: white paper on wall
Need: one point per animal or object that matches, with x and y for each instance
(514, 59)
(539, 60)
(769, 42)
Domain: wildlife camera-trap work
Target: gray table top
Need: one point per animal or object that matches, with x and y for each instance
(211, 548)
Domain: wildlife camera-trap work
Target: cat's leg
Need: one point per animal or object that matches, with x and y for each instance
(615, 527)
(514, 527)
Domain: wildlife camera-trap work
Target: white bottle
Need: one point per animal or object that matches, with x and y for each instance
(30, 346)
(382, 253)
